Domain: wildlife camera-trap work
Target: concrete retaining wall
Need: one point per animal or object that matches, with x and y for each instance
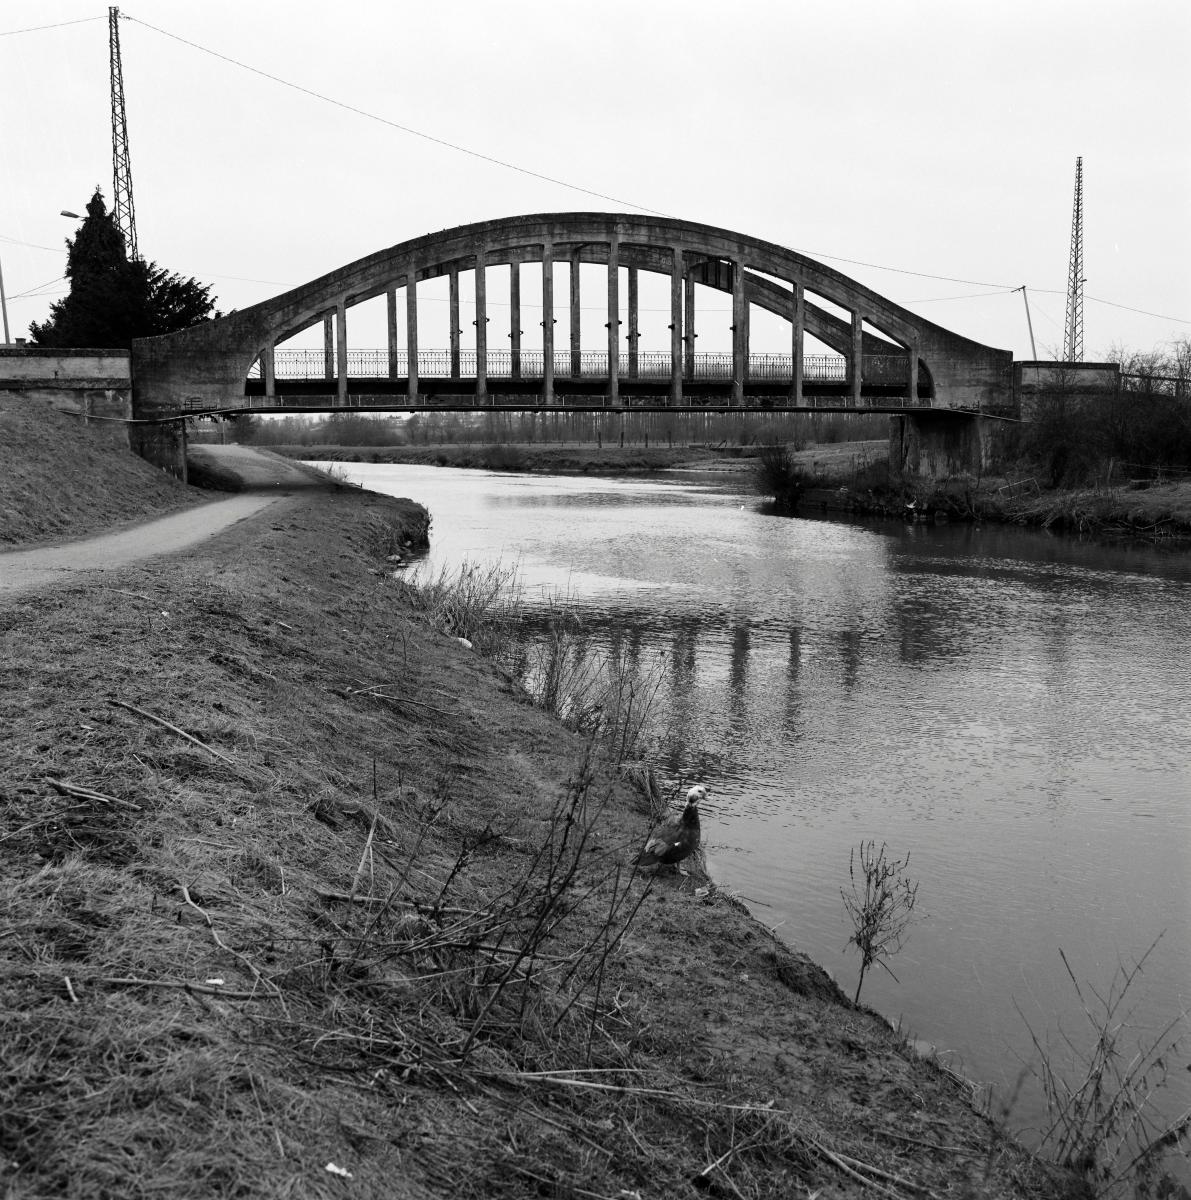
(1040, 383)
(82, 369)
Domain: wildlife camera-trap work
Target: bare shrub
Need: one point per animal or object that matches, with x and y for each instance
(1099, 1091)
(880, 905)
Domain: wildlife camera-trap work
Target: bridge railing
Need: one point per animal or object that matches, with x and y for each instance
(312, 364)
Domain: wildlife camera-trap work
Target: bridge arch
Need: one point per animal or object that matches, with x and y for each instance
(204, 368)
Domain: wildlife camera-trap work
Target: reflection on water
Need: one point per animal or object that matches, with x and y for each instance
(1008, 707)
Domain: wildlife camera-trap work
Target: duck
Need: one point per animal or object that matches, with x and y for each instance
(678, 836)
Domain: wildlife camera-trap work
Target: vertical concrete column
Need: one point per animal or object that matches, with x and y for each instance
(740, 344)
(614, 320)
(453, 276)
(515, 318)
(329, 346)
(634, 333)
(576, 318)
(798, 328)
(676, 326)
(268, 371)
(547, 323)
(411, 332)
(391, 326)
(912, 374)
(856, 364)
(481, 323)
(341, 352)
(688, 325)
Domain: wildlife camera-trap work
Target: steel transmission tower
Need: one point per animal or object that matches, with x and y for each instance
(123, 212)
(1073, 335)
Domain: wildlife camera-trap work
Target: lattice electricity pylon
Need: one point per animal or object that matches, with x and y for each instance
(123, 212)
(1073, 333)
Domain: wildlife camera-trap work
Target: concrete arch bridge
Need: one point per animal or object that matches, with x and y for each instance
(881, 356)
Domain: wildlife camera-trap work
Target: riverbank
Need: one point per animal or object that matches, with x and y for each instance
(1152, 511)
(271, 852)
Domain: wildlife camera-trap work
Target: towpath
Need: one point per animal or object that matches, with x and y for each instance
(264, 479)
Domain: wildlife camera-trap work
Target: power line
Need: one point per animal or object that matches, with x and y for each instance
(31, 245)
(29, 292)
(297, 87)
(39, 28)
(1142, 311)
(997, 288)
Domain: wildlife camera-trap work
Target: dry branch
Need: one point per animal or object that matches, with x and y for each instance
(85, 793)
(183, 986)
(174, 729)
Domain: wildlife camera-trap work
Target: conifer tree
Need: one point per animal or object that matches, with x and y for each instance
(112, 299)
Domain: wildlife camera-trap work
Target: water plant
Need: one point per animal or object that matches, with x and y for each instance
(1100, 1088)
(477, 602)
(880, 905)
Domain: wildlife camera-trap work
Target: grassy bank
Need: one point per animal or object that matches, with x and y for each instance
(295, 886)
(855, 478)
(60, 478)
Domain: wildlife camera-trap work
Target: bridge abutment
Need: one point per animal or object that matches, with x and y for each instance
(163, 443)
(937, 444)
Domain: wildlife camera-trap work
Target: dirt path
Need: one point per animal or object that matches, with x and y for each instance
(28, 570)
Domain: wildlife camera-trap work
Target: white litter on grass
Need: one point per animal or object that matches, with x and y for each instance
(332, 1169)
(215, 982)
(464, 643)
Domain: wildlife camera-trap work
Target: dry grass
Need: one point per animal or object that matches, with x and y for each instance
(289, 880)
(60, 478)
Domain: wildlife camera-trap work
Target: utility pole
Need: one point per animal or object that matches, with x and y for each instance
(1029, 323)
(1073, 332)
(123, 212)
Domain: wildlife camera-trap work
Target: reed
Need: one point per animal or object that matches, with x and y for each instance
(1100, 1085)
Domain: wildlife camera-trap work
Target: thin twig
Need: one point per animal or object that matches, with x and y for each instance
(183, 986)
(174, 729)
(260, 979)
(85, 793)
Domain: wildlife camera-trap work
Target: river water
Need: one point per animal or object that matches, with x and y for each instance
(1010, 708)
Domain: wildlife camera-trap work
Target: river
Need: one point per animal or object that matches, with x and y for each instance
(1011, 709)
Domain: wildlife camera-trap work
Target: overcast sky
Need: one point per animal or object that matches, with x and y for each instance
(893, 141)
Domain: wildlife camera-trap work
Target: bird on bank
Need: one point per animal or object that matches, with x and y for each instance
(678, 837)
